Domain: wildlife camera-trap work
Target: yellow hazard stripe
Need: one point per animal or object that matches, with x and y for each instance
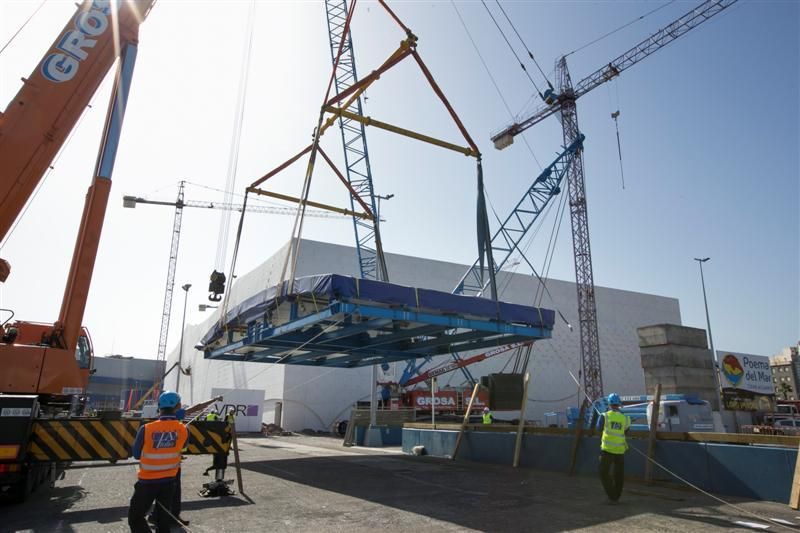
(96, 446)
(42, 434)
(123, 432)
(69, 440)
(38, 453)
(110, 439)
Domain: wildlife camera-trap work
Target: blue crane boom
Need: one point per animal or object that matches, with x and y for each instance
(507, 238)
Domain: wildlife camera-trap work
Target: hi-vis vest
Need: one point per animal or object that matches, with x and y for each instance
(212, 417)
(487, 418)
(614, 432)
(161, 449)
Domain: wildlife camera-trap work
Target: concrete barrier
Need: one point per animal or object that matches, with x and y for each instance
(759, 472)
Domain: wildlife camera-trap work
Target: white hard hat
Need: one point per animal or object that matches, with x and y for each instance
(485, 409)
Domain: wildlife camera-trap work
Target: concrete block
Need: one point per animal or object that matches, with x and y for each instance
(661, 334)
(675, 355)
(681, 376)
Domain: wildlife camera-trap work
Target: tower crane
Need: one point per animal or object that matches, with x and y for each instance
(562, 102)
(354, 140)
(179, 204)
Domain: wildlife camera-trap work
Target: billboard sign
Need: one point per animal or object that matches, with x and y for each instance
(246, 404)
(746, 381)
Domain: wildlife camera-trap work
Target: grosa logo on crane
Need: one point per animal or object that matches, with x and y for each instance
(72, 47)
(438, 401)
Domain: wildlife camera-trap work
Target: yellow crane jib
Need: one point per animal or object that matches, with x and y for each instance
(369, 121)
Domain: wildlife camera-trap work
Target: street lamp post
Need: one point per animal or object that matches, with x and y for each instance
(379, 198)
(185, 288)
(700, 262)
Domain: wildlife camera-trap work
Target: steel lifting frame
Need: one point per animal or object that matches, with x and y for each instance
(345, 105)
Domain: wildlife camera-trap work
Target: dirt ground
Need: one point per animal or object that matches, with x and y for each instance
(304, 483)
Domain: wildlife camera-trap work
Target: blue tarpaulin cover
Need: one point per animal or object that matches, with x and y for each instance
(336, 287)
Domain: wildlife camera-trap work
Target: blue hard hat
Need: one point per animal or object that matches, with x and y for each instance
(168, 400)
(613, 399)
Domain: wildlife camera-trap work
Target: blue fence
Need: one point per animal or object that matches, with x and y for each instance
(758, 472)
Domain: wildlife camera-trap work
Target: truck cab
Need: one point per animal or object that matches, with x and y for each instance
(34, 363)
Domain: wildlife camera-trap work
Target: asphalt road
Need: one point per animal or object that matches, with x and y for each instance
(302, 483)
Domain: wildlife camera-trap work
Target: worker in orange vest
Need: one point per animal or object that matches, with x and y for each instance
(158, 447)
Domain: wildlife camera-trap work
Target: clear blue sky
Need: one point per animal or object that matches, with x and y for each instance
(709, 131)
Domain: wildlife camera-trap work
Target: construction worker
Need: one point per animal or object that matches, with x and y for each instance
(158, 447)
(613, 447)
(488, 418)
(212, 417)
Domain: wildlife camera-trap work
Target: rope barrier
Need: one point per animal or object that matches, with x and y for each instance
(582, 391)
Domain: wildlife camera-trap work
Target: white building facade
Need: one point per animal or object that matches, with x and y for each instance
(317, 398)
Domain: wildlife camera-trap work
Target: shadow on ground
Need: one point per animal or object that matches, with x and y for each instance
(492, 498)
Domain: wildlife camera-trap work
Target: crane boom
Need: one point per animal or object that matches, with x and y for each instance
(624, 61)
(462, 363)
(130, 201)
(508, 237)
(38, 120)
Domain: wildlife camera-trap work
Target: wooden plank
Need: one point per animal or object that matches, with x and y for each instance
(236, 458)
(651, 442)
(465, 421)
(521, 426)
(350, 431)
(794, 499)
(578, 436)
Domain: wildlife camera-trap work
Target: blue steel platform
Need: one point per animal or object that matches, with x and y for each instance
(341, 321)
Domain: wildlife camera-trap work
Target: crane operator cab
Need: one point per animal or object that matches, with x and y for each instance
(550, 97)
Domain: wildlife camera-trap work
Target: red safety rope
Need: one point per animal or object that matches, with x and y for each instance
(271, 173)
(446, 103)
(345, 182)
(371, 77)
(395, 17)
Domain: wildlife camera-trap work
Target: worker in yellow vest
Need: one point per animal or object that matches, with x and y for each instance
(158, 448)
(613, 447)
(488, 418)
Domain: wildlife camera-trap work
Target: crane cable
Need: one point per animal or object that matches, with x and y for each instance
(22, 27)
(612, 32)
(521, 64)
(233, 156)
(739, 508)
(530, 54)
(615, 116)
(494, 82)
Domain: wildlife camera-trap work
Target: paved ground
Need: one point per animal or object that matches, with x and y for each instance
(313, 484)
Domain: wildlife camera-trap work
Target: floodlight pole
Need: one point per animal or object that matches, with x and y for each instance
(700, 262)
(185, 288)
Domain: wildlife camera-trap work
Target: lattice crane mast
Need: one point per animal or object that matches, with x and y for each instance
(179, 204)
(563, 102)
(354, 140)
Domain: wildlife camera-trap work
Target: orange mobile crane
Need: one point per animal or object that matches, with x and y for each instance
(53, 360)
(45, 367)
